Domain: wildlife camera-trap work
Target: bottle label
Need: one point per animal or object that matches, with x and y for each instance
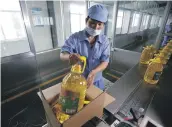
(69, 101)
(157, 75)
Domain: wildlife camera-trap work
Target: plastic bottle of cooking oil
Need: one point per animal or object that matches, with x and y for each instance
(169, 46)
(166, 52)
(170, 42)
(147, 54)
(162, 57)
(153, 71)
(73, 89)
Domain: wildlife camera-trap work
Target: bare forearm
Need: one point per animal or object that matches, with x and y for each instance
(101, 67)
(64, 56)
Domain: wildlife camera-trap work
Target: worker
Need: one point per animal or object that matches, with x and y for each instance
(168, 29)
(91, 43)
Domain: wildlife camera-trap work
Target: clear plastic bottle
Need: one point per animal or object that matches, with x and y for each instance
(73, 91)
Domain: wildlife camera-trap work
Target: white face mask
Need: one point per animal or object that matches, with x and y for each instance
(92, 31)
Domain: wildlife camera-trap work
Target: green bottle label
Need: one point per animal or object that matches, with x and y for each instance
(69, 101)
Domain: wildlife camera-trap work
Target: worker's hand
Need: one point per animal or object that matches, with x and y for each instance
(90, 78)
(74, 58)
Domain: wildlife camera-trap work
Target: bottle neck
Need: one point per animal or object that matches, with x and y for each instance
(76, 69)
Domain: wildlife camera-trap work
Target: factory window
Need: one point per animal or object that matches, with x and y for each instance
(77, 17)
(12, 25)
(160, 20)
(13, 36)
(147, 21)
(153, 23)
(119, 21)
(135, 22)
(126, 20)
(144, 23)
(169, 20)
(157, 21)
(108, 25)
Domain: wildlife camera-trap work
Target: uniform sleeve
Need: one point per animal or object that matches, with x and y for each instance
(69, 45)
(106, 52)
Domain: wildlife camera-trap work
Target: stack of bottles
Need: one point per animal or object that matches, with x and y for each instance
(165, 53)
(157, 63)
(147, 54)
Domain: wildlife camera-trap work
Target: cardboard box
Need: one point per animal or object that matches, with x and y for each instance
(99, 100)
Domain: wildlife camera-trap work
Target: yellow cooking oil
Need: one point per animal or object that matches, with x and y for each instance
(169, 46)
(162, 57)
(170, 42)
(73, 91)
(61, 117)
(147, 54)
(153, 71)
(166, 52)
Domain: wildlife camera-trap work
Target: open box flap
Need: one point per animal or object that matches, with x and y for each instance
(51, 119)
(93, 92)
(50, 92)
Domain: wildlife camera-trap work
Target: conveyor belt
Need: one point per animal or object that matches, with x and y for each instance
(160, 110)
(122, 88)
(138, 100)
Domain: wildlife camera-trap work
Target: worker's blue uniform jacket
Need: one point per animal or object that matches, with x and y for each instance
(168, 28)
(99, 52)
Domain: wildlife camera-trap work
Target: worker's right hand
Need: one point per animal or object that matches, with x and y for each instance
(74, 58)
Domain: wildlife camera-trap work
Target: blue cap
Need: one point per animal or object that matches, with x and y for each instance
(98, 12)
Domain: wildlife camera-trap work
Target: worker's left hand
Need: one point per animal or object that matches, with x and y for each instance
(90, 78)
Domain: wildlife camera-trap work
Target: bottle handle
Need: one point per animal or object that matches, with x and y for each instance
(83, 58)
(148, 62)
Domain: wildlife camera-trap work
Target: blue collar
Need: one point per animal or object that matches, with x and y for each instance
(84, 36)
